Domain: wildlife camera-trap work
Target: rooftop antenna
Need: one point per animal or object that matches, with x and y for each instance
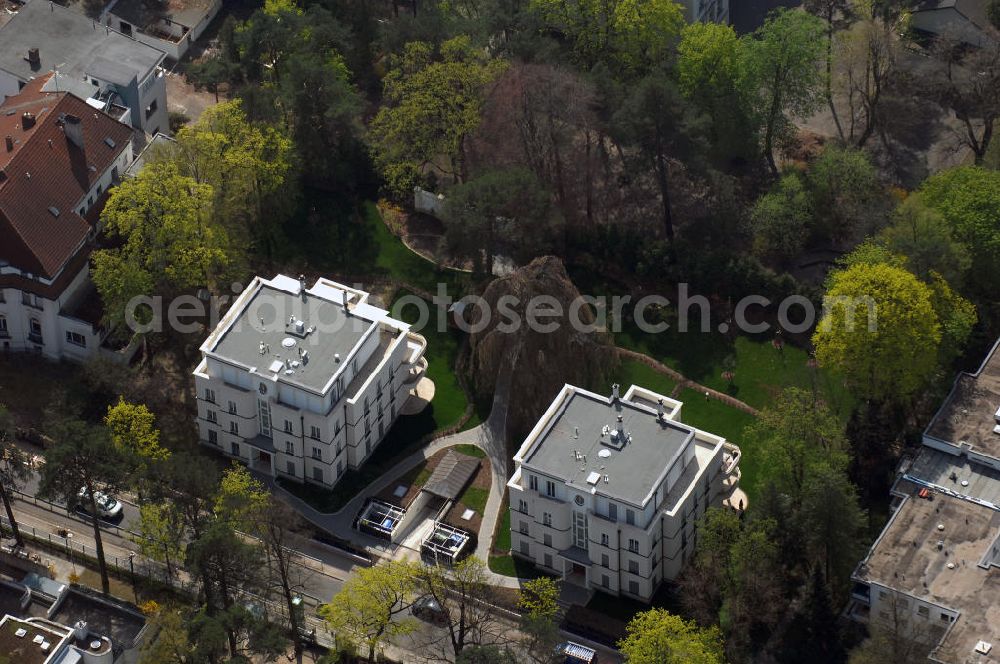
(615, 392)
(576, 432)
(659, 409)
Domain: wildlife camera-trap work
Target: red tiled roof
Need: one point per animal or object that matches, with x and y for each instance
(45, 170)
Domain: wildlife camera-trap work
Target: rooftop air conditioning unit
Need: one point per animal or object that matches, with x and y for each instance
(984, 648)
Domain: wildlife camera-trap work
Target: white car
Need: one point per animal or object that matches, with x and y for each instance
(107, 507)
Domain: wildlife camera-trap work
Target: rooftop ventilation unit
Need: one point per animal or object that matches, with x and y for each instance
(984, 647)
(276, 366)
(593, 478)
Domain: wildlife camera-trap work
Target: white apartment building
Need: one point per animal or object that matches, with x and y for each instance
(303, 383)
(59, 157)
(933, 574)
(606, 491)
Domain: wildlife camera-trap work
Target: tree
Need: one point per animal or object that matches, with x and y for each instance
(467, 597)
(247, 165)
(847, 198)
(487, 655)
(709, 61)
(781, 63)
(656, 120)
(703, 582)
(432, 104)
(169, 240)
(834, 525)
(632, 35)
(967, 198)
(161, 536)
(879, 329)
(82, 458)
(133, 431)
(659, 637)
(538, 602)
(369, 607)
(798, 437)
(14, 470)
(505, 213)
(780, 221)
(837, 15)
(921, 234)
(754, 590)
(814, 634)
(993, 13)
(967, 81)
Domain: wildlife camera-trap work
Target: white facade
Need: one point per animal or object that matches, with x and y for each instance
(283, 428)
(181, 36)
(591, 537)
(33, 322)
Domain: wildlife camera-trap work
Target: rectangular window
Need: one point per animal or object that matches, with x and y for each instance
(314, 432)
(523, 527)
(235, 449)
(522, 506)
(604, 539)
(605, 581)
(211, 416)
(605, 560)
(317, 453)
(151, 109)
(525, 548)
(633, 587)
(533, 482)
(547, 539)
(288, 426)
(213, 436)
(234, 428)
(318, 474)
(923, 611)
(264, 408)
(630, 517)
(291, 467)
(633, 567)
(580, 529)
(3, 322)
(76, 339)
(209, 395)
(547, 519)
(550, 488)
(613, 511)
(548, 560)
(232, 407)
(289, 447)
(340, 468)
(633, 545)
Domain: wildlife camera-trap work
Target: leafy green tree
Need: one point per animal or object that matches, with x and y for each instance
(133, 431)
(880, 330)
(83, 458)
(370, 607)
(432, 104)
(171, 642)
(781, 220)
(656, 120)
(539, 598)
(538, 603)
(160, 534)
(968, 198)
(659, 637)
(703, 582)
(500, 212)
(14, 470)
(921, 234)
(781, 64)
(709, 62)
(834, 525)
(169, 241)
(754, 591)
(629, 34)
(798, 437)
(814, 634)
(848, 199)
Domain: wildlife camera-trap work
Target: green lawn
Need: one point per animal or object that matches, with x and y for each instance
(449, 401)
(511, 566)
(475, 498)
(502, 542)
(633, 372)
(470, 450)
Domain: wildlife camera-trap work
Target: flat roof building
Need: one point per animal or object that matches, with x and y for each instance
(606, 490)
(304, 382)
(934, 572)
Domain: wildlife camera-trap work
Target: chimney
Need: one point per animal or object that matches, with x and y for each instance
(27, 121)
(302, 286)
(615, 394)
(9, 141)
(34, 58)
(73, 127)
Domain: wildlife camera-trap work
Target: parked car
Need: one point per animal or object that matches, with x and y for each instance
(574, 653)
(107, 507)
(427, 608)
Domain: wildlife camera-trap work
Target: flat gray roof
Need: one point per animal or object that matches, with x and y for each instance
(335, 333)
(633, 470)
(907, 558)
(451, 475)
(968, 412)
(956, 475)
(73, 43)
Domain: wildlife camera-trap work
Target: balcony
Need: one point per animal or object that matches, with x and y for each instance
(731, 458)
(36, 338)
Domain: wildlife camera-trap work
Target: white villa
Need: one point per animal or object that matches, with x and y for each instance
(606, 491)
(303, 383)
